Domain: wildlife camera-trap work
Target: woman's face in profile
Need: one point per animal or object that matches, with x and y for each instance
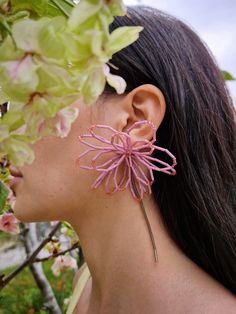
(53, 187)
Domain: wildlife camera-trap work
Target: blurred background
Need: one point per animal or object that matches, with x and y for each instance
(215, 22)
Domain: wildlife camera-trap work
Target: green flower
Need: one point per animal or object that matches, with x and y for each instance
(51, 54)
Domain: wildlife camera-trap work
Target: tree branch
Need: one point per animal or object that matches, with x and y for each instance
(5, 280)
(74, 246)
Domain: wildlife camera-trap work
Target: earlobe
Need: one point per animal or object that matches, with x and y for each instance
(148, 103)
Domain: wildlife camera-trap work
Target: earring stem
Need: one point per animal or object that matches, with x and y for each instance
(150, 230)
(146, 218)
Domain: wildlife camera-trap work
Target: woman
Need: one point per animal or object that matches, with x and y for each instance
(174, 82)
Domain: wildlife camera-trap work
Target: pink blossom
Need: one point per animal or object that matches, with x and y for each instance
(9, 223)
(63, 262)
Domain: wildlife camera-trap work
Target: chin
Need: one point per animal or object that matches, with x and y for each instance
(25, 213)
(22, 216)
(33, 211)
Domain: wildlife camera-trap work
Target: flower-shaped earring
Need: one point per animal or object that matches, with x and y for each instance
(131, 158)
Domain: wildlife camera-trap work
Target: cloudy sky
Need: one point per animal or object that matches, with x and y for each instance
(213, 20)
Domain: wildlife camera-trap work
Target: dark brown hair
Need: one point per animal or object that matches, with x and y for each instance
(198, 204)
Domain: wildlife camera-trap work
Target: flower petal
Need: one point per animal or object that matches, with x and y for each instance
(9, 223)
(114, 80)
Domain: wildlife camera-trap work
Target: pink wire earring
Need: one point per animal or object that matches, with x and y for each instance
(130, 159)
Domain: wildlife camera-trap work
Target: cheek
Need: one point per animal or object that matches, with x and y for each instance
(42, 196)
(53, 186)
(52, 193)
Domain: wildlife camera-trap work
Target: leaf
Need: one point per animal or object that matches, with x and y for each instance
(4, 192)
(19, 78)
(26, 34)
(19, 152)
(96, 40)
(34, 7)
(8, 50)
(49, 40)
(90, 91)
(228, 76)
(117, 8)
(82, 12)
(4, 174)
(4, 131)
(3, 97)
(121, 38)
(13, 118)
(18, 15)
(55, 79)
(64, 6)
(48, 61)
(4, 26)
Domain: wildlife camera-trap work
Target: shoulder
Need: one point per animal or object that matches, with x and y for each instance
(78, 274)
(227, 303)
(222, 301)
(222, 306)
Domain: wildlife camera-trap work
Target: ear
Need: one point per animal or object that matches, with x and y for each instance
(145, 102)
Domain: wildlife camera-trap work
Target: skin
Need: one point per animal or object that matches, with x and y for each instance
(112, 230)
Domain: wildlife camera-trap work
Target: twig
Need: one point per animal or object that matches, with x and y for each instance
(5, 280)
(74, 246)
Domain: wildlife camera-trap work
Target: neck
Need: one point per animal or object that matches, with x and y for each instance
(118, 251)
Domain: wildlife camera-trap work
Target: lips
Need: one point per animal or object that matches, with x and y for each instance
(13, 181)
(15, 172)
(15, 178)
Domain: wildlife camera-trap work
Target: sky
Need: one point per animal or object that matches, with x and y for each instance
(213, 20)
